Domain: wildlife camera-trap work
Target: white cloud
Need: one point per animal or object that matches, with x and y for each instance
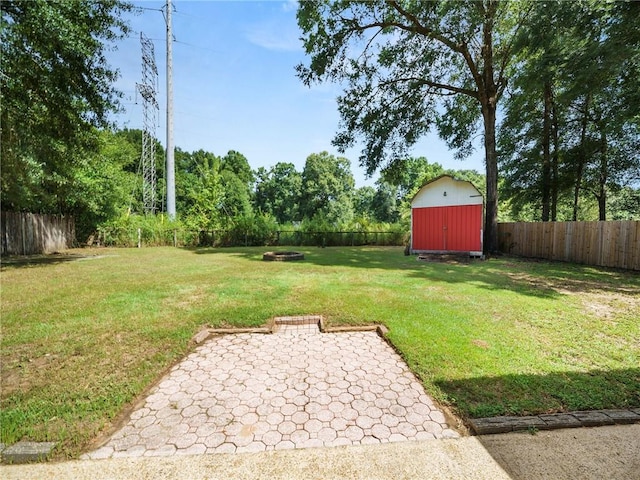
(275, 35)
(290, 5)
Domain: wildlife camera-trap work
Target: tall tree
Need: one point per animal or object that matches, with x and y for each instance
(278, 192)
(237, 180)
(193, 171)
(201, 191)
(363, 199)
(530, 156)
(327, 188)
(102, 184)
(399, 61)
(572, 115)
(385, 205)
(56, 87)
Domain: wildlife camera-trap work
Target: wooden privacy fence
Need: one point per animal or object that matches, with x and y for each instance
(607, 244)
(30, 233)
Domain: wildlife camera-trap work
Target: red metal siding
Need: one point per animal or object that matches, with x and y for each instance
(455, 229)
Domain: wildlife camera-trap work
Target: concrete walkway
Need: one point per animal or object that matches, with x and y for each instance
(611, 452)
(297, 388)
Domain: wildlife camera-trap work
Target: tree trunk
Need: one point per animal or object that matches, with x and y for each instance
(582, 153)
(602, 180)
(491, 164)
(546, 153)
(488, 96)
(554, 162)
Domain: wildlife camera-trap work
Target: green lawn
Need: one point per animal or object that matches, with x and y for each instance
(81, 339)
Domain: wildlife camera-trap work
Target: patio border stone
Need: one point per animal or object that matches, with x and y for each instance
(26, 452)
(589, 418)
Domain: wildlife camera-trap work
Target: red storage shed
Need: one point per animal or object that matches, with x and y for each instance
(446, 216)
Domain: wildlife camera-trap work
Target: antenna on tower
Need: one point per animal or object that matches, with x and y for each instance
(148, 90)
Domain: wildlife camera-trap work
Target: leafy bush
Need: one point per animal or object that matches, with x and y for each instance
(253, 230)
(151, 230)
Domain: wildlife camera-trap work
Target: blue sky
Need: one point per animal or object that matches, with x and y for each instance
(235, 87)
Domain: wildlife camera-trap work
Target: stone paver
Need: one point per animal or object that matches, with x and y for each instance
(26, 452)
(298, 388)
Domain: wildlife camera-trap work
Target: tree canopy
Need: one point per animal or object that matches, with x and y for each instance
(409, 66)
(56, 88)
(563, 75)
(572, 117)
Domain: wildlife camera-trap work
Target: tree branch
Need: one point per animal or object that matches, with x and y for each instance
(419, 28)
(506, 54)
(430, 83)
(461, 48)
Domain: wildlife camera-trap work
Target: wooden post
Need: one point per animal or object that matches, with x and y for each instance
(139, 238)
(22, 220)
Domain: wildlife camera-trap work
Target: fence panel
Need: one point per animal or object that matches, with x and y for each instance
(608, 244)
(30, 233)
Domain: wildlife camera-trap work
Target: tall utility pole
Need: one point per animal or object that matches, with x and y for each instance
(148, 89)
(171, 174)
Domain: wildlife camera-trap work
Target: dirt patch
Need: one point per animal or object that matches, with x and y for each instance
(609, 304)
(22, 370)
(450, 258)
(187, 298)
(480, 343)
(600, 299)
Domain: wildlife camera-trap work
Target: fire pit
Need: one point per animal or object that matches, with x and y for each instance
(282, 256)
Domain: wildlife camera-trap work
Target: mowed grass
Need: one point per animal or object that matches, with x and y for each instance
(82, 338)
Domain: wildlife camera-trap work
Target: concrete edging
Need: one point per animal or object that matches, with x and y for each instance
(272, 324)
(26, 452)
(589, 418)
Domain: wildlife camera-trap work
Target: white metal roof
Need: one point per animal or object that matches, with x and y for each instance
(445, 191)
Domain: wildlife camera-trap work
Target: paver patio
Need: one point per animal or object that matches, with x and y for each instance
(297, 388)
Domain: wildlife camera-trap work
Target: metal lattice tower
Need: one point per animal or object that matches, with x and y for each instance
(148, 90)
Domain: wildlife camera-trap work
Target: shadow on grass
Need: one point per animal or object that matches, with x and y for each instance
(29, 261)
(526, 394)
(539, 278)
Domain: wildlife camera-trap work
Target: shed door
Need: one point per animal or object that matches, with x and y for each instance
(454, 229)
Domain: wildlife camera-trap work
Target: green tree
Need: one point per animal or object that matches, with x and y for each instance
(327, 188)
(409, 174)
(363, 199)
(193, 171)
(56, 87)
(571, 119)
(102, 188)
(237, 180)
(278, 192)
(529, 157)
(625, 204)
(238, 164)
(204, 194)
(399, 61)
(613, 51)
(385, 205)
